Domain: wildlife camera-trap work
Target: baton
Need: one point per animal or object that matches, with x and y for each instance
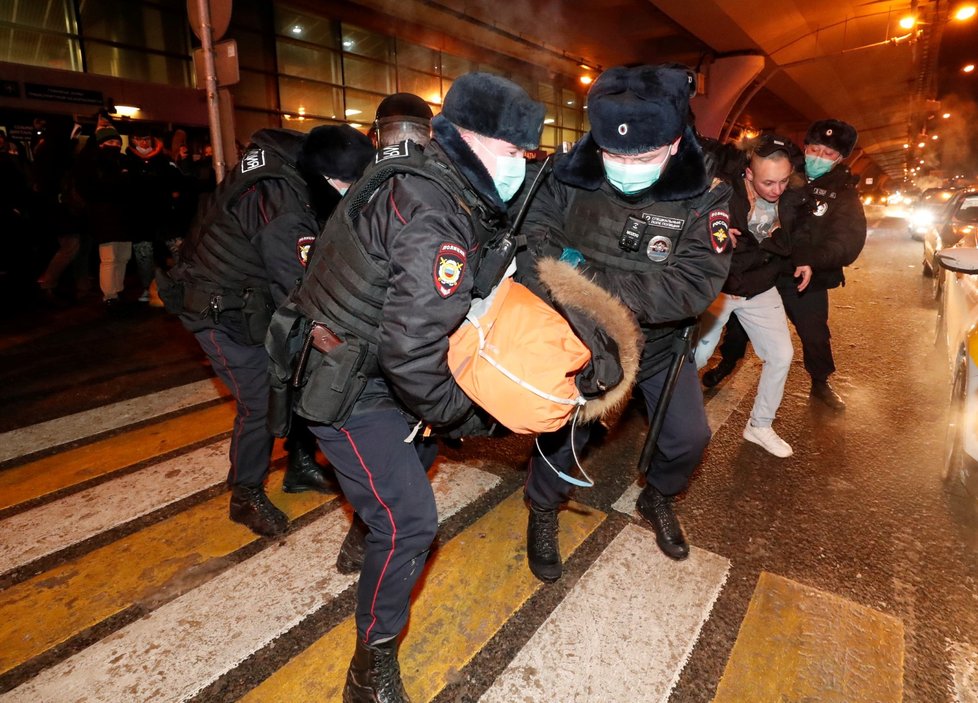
(680, 350)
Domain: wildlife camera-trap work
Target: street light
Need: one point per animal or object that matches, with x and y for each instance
(968, 68)
(965, 12)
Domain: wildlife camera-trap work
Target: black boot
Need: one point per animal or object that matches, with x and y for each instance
(303, 472)
(657, 509)
(350, 558)
(374, 675)
(252, 508)
(718, 373)
(542, 551)
(822, 391)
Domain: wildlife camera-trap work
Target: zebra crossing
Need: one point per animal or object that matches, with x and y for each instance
(123, 580)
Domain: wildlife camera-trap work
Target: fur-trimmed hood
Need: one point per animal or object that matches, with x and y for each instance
(685, 176)
(568, 288)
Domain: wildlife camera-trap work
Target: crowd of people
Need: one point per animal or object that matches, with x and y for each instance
(328, 272)
(77, 206)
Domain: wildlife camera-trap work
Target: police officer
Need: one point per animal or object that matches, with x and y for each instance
(836, 237)
(633, 201)
(402, 116)
(242, 259)
(390, 279)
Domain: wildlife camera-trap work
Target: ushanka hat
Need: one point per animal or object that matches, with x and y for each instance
(340, 152)
(835, 134)
(634, 110)
(494, 107)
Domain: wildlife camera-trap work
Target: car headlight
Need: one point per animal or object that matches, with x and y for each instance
(921, 219)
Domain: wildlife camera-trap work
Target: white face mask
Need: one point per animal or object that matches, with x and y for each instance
(509, 173)
(339, 189)
(143, 149)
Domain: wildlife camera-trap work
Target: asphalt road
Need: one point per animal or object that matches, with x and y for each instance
(860, 512)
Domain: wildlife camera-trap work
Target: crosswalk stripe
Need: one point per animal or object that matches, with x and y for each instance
(62, 523)
(186, 644)
(798, 643)
(69, 468)
(60, 603)
(473, 586)
(964, 672)
(70, 428)
(623, 633)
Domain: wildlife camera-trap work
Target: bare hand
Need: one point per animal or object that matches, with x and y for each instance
(734, 233)
(805, 273)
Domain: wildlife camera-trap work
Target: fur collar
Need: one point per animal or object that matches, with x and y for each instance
(446, 136)
(685, 175)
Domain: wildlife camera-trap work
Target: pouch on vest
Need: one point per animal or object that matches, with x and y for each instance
(171, 292)
(284, 340)
(257, 313)
(331, 381)
(517, 358)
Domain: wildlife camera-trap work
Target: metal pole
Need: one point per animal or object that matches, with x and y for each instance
(213, 111)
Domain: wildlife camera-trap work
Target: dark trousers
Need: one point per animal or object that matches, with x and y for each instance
(244, 370)
(685, 434)
(809, 313)
(384, 479)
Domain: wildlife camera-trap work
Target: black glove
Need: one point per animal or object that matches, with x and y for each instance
(478, 423)
(604, 372)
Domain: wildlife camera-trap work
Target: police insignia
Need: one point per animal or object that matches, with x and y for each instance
(821, 209)
(394, 151)
(252, 159)
(719, 230)
(303, 247)
(659, 248)
(449, 266)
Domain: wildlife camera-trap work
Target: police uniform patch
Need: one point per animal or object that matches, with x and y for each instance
(659, 248)
(821, 209)
(394, 151)
(449, 267)
(719, 230)
(303, 247)
(252, 159)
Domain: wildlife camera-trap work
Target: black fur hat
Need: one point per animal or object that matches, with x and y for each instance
(835, 134)
(633, 110)
(336, 152)
(494, 107)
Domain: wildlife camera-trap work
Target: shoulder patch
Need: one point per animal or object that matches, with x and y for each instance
(303, 247)
(252, 159)
(394, 151)
(449, 266)
(719, 230)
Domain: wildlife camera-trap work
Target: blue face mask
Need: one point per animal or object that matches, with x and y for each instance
(510, 173)
(631, 178)
(817, 166)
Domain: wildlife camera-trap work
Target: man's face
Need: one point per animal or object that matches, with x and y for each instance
(488, 148)
(823, 151)
(144, 142)
(660, 156)
(769, 177)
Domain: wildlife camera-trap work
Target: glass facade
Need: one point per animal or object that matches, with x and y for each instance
(297, 69)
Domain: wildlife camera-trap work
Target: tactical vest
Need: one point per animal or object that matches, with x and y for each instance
(619, 236)
(217, 252)
(344, 287)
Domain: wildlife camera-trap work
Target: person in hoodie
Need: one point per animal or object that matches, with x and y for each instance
(835, 239)
(241, 260)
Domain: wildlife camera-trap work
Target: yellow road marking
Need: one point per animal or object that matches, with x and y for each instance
(797, 643)
(64, 469)
(48, 609)
(472, 586)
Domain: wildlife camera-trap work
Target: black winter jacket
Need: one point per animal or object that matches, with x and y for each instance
(836, 232)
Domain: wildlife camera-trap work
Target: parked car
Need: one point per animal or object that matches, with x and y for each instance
(958, 331)
(956, 223)
(925, 210)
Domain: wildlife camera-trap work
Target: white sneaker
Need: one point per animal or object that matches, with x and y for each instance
(767, 438)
